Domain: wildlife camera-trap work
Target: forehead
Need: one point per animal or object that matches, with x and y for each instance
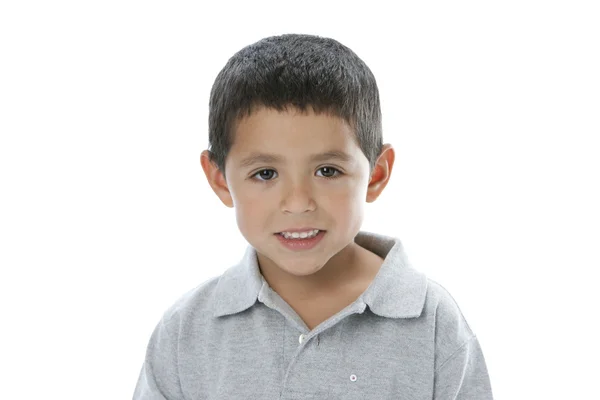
(292, 132)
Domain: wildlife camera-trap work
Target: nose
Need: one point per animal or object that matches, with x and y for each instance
(298, 198)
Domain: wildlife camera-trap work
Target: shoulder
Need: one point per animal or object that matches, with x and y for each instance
(451, 328)
(440, 299)
(449, 318)
(193, 303)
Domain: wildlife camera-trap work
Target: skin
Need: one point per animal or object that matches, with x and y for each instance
(296, 192)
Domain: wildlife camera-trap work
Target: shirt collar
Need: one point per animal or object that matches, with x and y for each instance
(398, 290)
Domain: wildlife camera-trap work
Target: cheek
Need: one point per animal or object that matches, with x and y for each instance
(245, 195)
(344, 200)
(251, 209)
(346, 192)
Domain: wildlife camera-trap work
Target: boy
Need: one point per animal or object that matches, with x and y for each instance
(316, 309)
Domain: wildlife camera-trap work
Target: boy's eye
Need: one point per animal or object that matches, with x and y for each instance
(269, 174)
(265, 174)
(329, 172)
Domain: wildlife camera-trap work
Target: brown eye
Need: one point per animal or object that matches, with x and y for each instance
(329, 172)
(265, 174)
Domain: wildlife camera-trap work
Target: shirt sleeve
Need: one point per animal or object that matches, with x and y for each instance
(464, 375)
(159, 377)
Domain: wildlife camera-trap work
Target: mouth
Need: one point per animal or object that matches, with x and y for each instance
(296, 241)
(302, 233)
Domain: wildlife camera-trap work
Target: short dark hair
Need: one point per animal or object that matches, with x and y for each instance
(298, 71)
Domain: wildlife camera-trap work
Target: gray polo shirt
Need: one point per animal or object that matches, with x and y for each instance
(233, 337)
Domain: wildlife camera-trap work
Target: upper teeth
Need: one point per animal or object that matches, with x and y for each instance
(299, 235)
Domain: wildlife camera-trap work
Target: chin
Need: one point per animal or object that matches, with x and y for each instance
(297, 266)
(303, 271)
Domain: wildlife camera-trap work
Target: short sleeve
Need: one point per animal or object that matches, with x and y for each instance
(464, 375)
(159, 377)
(460, 368)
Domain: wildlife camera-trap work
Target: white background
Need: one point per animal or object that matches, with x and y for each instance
(106, 217)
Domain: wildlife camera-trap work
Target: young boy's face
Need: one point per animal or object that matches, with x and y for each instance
(279, 178)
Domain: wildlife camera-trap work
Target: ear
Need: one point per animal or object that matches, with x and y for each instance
(381, 173)
(216, 179)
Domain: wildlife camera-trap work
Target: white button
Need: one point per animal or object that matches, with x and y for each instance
(353, 378)
(301, 339)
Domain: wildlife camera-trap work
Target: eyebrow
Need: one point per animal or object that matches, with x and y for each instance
(260, 158)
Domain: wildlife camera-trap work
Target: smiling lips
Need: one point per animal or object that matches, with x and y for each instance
(300, 235)
(292, 230)
(299, 241)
